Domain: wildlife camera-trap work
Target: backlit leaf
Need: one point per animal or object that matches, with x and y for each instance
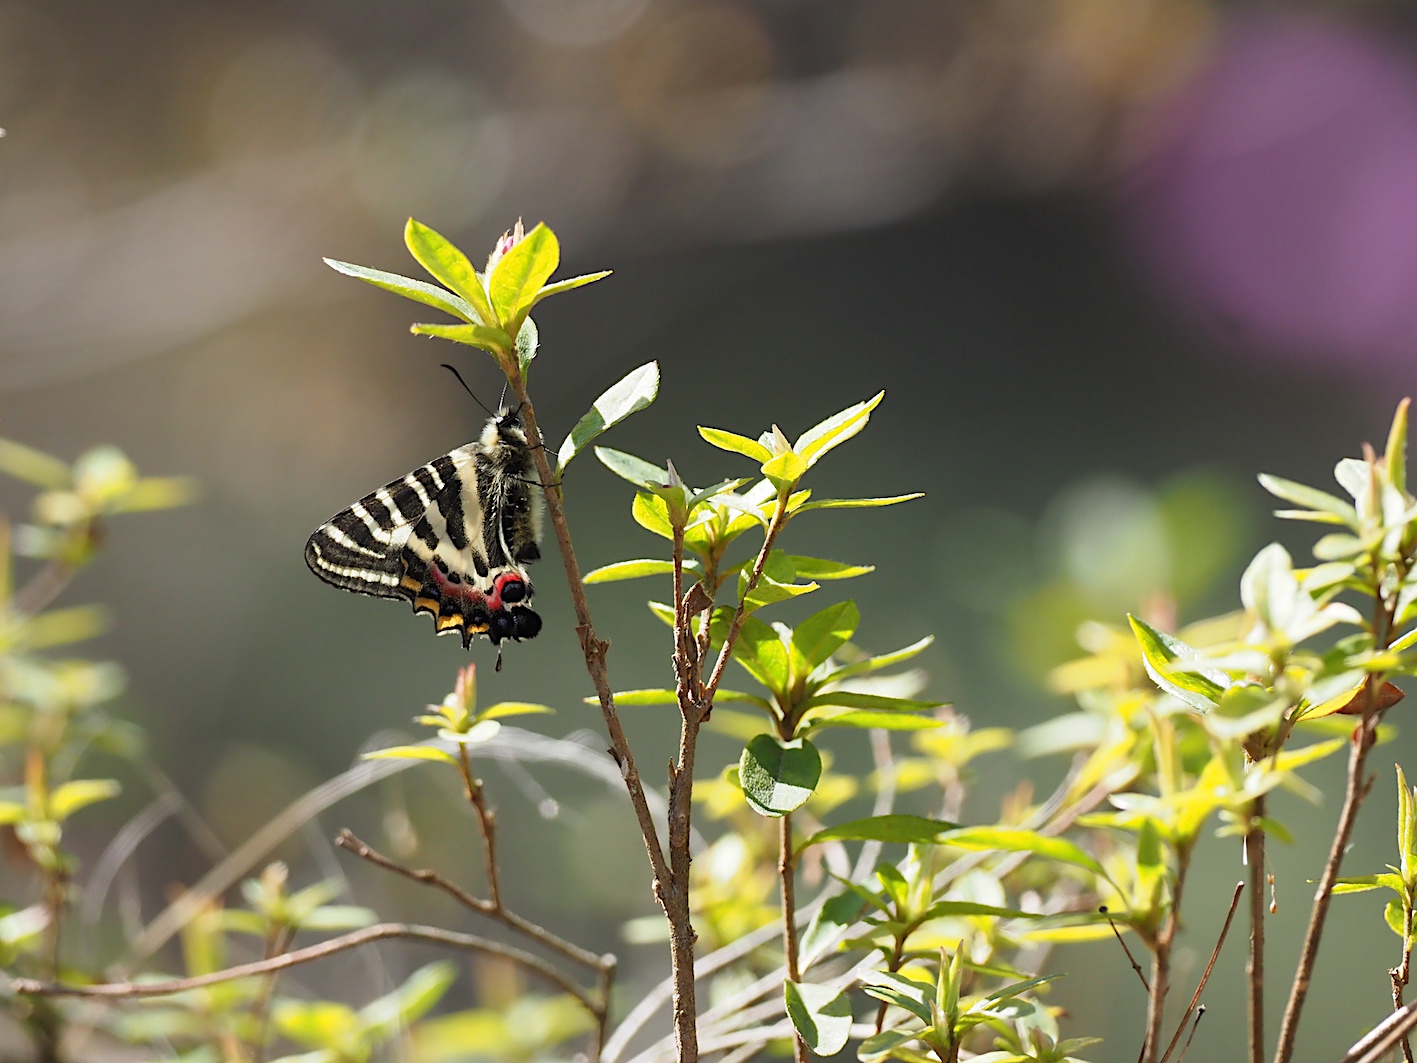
(632, 393)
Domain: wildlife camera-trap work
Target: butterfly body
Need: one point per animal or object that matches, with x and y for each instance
(451, 537)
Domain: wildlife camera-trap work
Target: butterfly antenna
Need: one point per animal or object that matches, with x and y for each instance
(466, 388)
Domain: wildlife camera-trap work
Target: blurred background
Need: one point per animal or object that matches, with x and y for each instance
(1108, 259)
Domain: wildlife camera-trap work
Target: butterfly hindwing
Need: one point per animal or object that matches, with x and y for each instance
(450, 538)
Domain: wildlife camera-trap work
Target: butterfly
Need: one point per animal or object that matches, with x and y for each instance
(451, 537)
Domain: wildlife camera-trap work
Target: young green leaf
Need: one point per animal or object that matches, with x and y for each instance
(492, 340)
(34, 466)
(851, 699)
(761, 652)
(522, 272)
(821, 1015)
(652, 513)
(628, 467)
(822, 634)
(875, 664)
(528, 340)
(1160, 652)
(834, 916)
(632, 393)
(503, 709)
(570, 284)
(913, 830)
(857, 503)
(736, 444)
(896, 989)
(869, 721)
(778, 777)
(418, 291)
(449, 266)
(818, 568)
(1009, 839)
(622, 570)
(72, 796)
(1396, 453)
(411, 753)
(1310, 498)
(835, 430)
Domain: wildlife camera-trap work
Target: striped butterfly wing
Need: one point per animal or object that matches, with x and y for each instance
(421, 538)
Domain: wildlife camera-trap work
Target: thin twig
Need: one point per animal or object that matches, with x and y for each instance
(1121, 941)
(787, 870)
(1205, 977)
(276, 943)
(348, 840)
(605, 983)
(486, 822)
(1194, 1026)
(333, 947)
(1161, 960)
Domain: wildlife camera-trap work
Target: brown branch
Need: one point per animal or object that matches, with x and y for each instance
(1200, 1013)
(332, 947)
(605, 983)
(1400, 976)
(1254, 969)
(347, 840)
(1161, 961)
(779, 518)
(1205, 977)
(277, 941)
(593, 647)
(1357, 788)
(472, 790)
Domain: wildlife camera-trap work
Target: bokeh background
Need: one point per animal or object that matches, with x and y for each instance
(1108, 259)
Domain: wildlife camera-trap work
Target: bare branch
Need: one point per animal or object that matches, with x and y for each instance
(325, 949)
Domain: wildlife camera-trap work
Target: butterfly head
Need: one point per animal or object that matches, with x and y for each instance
(505, 430)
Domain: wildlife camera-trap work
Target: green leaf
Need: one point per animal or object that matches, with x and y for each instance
(836, 914)
(418, 291)
(957, 909)
(769, 591)
(913, 830)
(857, 503)
(785, 469)
(1013, 840)
(821, 1015)
(1016, 988)
(736, 444)
(450, 266)
(761, 652)
(875, 664)
(778, 777)
(872, 721)
(835, 430)
(636, 390)
(636, 470)
(818, 568)
(851, 699)
(410, 1001)
(518, 278)
(1396, 453)
(503, 709)
(570, 284)
(72, 796)
(898, 990)
(640, 697)
(411, 753)
(528, 340)
(822, 634)
(1160, 652)
(652, 513)
(316, 1024)
(493, 340)
(1396, 918)
(622, 570)
(34, 466)
(1310, 498)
